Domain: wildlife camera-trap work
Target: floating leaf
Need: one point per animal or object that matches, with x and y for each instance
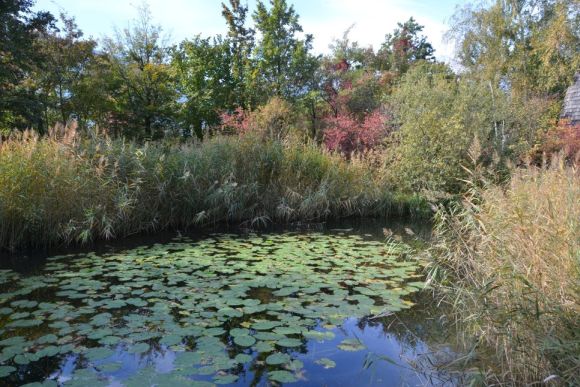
(278, 358)
(288, 342)
(244, 340)
(139, 348)
(326, 363)
(282, 376)
(351, 345)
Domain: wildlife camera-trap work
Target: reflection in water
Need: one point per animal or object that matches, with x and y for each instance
(246, 310)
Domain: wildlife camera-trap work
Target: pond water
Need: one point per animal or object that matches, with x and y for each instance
(326, 307)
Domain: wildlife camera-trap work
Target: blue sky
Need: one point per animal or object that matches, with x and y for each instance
(325, 19)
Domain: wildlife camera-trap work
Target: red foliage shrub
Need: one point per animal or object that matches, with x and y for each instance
(345, 134)
(238, 121)
(565, 138)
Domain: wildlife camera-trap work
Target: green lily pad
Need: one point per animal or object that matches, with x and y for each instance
(171, 340)
(278, 358)
(351, 345)
(225, 379)
(288, 342)
(6, 370)
(244, 340)
(139, 348)
(326, 363)
(94, 354)
(282, 376)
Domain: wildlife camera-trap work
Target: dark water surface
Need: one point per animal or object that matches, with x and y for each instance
(316, 305)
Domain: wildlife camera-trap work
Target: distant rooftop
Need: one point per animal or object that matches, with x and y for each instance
(571, 110)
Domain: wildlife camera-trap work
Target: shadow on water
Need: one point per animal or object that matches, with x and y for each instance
(310, 305)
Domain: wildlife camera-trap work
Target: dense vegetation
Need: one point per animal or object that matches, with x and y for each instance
(131, 134)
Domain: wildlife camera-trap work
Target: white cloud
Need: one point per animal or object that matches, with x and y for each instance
(372, 20)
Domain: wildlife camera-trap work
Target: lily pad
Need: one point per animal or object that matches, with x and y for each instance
(244, 340)
(351, 345)
(278, 358)
(282, 376)
(326, 363)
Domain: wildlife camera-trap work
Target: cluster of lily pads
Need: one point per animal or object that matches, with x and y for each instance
(225, 306)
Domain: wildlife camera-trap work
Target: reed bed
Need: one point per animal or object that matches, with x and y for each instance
(66, 188)
(508, 261)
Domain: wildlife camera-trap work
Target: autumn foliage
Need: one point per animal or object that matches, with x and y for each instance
(347, 135)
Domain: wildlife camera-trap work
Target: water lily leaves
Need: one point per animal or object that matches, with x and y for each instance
(244, 340)
(286, 291)
(243, 358)
(99, 353)
(264, 347)
(19, 315)
(138, 348)
(326, 363)
(6, 370)
(100, 333)
(282, 376)
(47, 339)
(265, 325)
(289, 343)
(170, 340)
(239, 332)
(225, 379)
(24, 304)
(319, 336)
(24, 323)
(216, 331)
(109, 340)
(351, 345)
(278, 358)
(139, 302)
(110, 367)
(49, 351)
(264, 294)
(14, 340)
(288, 330)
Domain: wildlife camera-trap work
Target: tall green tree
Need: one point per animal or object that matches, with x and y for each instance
(284, 64)
(205, 81)
(140, 59)
(241, 41)
(66, 57)
(19, 27)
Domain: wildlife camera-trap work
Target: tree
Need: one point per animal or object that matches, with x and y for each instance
(527, 46)
(284, 65)
(19, 27)
(404, 47)
(140, 59)
(241, 42)
(65, 60)
(205, 81)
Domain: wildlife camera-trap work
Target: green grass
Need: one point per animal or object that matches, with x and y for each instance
(508, 261)
(71, 189)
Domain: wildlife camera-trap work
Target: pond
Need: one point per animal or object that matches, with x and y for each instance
(307, 308)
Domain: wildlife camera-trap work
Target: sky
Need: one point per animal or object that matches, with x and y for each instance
(325, 19)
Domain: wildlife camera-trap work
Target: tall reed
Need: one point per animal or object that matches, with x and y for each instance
(67, 188)
(508, 260)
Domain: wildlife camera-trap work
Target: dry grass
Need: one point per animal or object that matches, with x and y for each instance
(508, 260)
(67, 188)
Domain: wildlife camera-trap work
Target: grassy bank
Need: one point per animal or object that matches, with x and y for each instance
(508, 260)
(71, 189)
